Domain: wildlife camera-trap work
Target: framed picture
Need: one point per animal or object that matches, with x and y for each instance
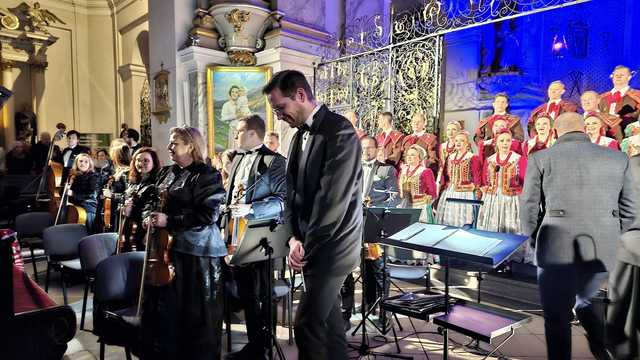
(161, 95)
(234, 93)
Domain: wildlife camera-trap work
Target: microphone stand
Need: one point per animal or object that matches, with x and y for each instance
(365, 349)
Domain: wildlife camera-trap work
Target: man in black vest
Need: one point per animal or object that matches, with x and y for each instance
(261, 172)
(70, 152)
(324, 208)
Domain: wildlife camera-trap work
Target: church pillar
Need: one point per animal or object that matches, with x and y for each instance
(9, 75)
(133, 77)
(38, 86)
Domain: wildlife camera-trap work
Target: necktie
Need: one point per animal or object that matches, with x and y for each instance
(554, 108)
(617, 96)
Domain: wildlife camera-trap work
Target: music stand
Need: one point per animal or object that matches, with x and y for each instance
(483, 247)
(264, 240)
(379, 222)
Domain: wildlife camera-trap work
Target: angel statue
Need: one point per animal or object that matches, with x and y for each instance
(40, 18)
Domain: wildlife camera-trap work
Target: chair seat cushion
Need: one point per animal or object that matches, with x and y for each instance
(73, 264)
(281, 288)
(32, 241)
(128, 315)
(406, 272)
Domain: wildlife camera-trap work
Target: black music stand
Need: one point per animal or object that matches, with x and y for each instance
(378, 223)
(483, 247)
(264, 240)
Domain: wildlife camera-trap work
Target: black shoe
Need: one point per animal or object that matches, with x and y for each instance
(347, 324)
(248, 353)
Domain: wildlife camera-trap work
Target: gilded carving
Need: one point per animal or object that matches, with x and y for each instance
(242, 57)
(9, 20)
(41, 18)
(237, 18)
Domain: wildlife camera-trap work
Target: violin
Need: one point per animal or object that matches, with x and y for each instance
(374, 251)
(158, 270)
(127, 226)
(106, 214)
(237, 226)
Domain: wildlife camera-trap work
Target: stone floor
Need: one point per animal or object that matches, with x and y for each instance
(419, 340)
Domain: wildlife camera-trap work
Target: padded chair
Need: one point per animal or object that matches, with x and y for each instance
(117, 287)
(92, 250)
(61, 247)
(29, 227)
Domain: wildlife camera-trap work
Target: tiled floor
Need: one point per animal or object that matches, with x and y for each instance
(527, 343)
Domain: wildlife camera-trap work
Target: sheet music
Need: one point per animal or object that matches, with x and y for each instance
(466, 242)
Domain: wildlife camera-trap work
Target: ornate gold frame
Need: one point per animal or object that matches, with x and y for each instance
(211, 69)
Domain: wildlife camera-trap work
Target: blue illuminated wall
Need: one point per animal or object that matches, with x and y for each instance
(516, 56)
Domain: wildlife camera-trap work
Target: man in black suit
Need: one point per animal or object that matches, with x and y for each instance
(324, 208)
(261, 172)
(379, 189)
(70, 152)
(133, 136)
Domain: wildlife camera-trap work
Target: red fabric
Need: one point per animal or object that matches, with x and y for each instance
(554, 108)
(614, 145)
(617, 96)
(27, 294)
(428, 183)
(516, 182)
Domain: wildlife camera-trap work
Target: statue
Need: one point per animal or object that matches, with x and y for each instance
(41, 18)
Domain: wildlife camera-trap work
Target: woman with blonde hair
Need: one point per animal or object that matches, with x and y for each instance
(460, 178)
(116, 185)
(417, 183)
(184, 318)
(84, 188)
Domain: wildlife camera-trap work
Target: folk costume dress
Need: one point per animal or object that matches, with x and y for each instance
(418, 190)
(502, 181)
(607, 142)
(536, 143)
(459, 179)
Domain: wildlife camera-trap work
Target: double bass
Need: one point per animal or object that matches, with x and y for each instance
(52, 174)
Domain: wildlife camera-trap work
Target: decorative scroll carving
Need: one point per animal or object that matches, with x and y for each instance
(237, 18)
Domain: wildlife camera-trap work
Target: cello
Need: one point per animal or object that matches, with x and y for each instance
(74, 214)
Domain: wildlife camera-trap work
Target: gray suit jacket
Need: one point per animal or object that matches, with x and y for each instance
(586, 195)
(630, 249)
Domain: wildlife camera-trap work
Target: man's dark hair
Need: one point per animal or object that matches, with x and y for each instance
(233, 87)
(274, 134)
(134, 134)
(288, 82)
(367, 137)
(73, 132)
(255, 123)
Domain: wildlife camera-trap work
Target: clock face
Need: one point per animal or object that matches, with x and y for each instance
(10, 22)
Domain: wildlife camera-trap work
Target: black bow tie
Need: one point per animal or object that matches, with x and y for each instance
(248, 152)
(304, 127)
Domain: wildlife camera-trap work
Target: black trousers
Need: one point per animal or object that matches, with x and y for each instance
(623, 316)
(252, 282)
(319, 327)
(183, 320)
(562, 287)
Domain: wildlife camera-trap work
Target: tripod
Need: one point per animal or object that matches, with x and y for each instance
(264, 240)
(364, 349)
(272, 340)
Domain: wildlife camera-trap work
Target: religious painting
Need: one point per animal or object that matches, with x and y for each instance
(234, 93)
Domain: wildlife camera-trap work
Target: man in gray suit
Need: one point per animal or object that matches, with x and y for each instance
(577, 200)
(623, 314)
